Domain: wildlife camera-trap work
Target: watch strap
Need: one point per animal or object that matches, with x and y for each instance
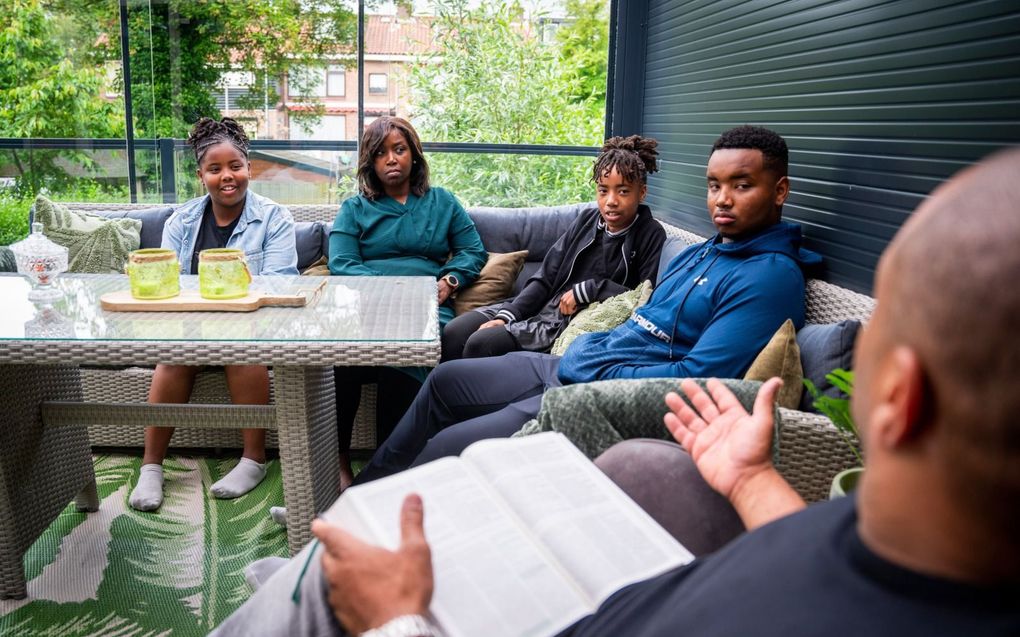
(404, 626)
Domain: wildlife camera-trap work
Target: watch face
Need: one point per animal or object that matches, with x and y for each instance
(452, 280)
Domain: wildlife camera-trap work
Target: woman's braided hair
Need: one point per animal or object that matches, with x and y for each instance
(634, 157)
(207, 132)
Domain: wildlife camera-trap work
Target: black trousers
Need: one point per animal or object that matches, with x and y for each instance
(463, 339)
(464, 401)
(396, 392)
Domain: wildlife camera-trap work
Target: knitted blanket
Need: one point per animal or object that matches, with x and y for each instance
(95, 244)
(602, 316)
(596, 416)
(7, 261)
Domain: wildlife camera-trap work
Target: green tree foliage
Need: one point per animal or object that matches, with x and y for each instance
(43, 93)
(584, 46)
(180, 49)
(491, 78)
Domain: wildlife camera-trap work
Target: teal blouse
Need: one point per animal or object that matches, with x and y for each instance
(431, 235)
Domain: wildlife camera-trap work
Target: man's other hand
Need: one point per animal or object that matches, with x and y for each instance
(368, 585)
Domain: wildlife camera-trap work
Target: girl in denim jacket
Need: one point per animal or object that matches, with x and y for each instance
(229, 216)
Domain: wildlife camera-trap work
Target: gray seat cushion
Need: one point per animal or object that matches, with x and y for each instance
(532, 229)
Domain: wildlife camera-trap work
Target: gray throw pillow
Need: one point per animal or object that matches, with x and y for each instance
(824, 348)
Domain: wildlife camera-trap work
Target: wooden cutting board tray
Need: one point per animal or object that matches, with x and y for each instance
(190, 301)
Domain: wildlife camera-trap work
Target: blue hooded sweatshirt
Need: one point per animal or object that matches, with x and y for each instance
(715, 308)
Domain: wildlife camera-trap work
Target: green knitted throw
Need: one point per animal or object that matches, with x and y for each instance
(595, 416)
(7, 261)
(95, 244)
(602, 316)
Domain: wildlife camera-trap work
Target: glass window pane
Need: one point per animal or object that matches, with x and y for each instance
(376, 82)
(306, 81)
(327, 127)
(474, 88)
(336, 81)
(60, 78)
(292, 176)
(513, 180)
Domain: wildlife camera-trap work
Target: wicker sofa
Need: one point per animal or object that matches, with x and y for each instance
(811, 450)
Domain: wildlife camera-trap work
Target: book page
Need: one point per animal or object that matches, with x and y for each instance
(491, 578)
(598, 534)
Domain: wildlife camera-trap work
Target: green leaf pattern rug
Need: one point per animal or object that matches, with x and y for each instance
(178, 571)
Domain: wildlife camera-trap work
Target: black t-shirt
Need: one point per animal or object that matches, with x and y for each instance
(211, 235)
(807, 574)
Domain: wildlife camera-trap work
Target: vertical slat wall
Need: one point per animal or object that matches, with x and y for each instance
(879, 102)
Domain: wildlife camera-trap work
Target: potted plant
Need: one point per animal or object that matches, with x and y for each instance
(838, 411)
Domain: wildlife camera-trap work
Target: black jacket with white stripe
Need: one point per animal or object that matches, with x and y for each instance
(591, 263)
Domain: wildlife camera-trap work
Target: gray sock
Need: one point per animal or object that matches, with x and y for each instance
(279, 515)
(242, 478)
(259, 571)
(148, 493)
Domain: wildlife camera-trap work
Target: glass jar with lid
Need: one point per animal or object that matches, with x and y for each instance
(223, 274)
(154, 274)
(41, 260)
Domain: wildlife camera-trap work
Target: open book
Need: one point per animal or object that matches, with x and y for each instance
(527, 535)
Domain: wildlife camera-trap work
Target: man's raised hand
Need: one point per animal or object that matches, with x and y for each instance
(728, 445)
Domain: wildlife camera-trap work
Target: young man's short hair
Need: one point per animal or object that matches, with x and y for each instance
(771, 144)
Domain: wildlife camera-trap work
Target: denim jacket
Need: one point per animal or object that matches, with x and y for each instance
(265, 232)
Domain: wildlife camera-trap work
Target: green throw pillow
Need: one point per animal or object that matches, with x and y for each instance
(95, 244)
(602, 316)
(781, 357)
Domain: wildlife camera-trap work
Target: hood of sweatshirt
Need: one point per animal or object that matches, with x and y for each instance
(783, 237)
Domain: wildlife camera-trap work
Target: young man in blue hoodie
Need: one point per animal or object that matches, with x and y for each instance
(715, 308)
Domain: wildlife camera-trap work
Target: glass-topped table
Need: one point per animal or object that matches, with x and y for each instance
(45, 458)
(354, 321)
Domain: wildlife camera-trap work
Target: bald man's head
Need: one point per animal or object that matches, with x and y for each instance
(951, 281)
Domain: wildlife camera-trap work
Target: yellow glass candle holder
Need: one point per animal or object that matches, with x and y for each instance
(222, 274)
(154, 274)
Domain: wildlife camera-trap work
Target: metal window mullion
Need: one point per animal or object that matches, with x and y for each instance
(361, 73)
(129, 129)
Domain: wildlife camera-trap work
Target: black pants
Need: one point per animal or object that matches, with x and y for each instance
(396, 392)
(463, 339)
(464, 401)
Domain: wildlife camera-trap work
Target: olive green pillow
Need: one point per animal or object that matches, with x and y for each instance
(319, 268)
(95, 244)
(494, 284)
(781, 357)
(602, 316)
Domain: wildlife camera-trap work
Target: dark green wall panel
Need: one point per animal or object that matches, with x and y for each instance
(879, 102)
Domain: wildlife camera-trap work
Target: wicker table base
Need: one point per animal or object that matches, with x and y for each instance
(41, 468)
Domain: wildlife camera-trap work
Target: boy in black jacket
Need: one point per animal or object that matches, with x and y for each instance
(606, 251)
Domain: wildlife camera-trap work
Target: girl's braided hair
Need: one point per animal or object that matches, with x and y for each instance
(634, 157)
(207, 132)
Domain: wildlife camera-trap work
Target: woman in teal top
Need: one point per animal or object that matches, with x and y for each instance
(397, 225)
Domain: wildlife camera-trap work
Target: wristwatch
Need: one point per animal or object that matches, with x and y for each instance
(451, 280)
(404, 626)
